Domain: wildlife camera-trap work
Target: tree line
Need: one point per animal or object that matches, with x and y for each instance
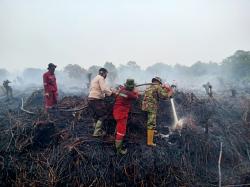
(234, 69)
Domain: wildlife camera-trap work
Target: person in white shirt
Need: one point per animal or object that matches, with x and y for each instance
(98, 91)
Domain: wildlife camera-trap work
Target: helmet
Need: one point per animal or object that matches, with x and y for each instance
(157, 79)
(130, 84)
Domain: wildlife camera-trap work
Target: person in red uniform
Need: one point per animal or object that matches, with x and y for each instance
(121, 109)
(50, 87)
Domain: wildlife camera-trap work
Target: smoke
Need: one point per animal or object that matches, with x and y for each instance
(74, 79)
(31, 79)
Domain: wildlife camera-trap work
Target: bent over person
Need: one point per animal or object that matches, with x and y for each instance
(50, 87)
(150, 104)
(98, 91)
(126, 95)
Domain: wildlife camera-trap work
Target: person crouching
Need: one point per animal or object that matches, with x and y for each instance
(122, 107)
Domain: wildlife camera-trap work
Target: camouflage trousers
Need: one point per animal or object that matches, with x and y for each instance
(151, 123)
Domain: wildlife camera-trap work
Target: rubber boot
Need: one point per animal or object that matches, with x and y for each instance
(119, 147)
(150, 137)
(98, 129)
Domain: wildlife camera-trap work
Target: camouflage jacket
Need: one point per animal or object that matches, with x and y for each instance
(152, 96)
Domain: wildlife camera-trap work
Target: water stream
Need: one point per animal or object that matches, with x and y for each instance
(175, 114)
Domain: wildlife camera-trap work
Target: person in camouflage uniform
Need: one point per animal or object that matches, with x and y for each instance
(150, 104)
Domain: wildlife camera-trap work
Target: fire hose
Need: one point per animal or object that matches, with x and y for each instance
(145, 84)
(24, 110)
(73, 109)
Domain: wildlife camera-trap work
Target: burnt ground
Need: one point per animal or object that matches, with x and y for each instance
(35, 152)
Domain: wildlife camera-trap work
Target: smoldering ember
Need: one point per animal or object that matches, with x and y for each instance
(202, 133)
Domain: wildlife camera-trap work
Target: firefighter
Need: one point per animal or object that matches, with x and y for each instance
(8, 89)
(122, 106)
(150, 101)
(50, 87)
(98, 91)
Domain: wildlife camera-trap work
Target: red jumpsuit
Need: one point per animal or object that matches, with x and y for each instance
(50, 90)
(121, 110)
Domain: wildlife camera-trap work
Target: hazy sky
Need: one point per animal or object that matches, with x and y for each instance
(36, 32)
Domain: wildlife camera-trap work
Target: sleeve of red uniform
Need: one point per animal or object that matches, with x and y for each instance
(56, 87)
(45, 83)
(133, 95)
(56, 91)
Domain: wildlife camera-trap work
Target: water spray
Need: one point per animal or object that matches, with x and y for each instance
(174, 112)
(177, 123)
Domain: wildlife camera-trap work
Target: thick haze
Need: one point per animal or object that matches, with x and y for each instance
(83, 32)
